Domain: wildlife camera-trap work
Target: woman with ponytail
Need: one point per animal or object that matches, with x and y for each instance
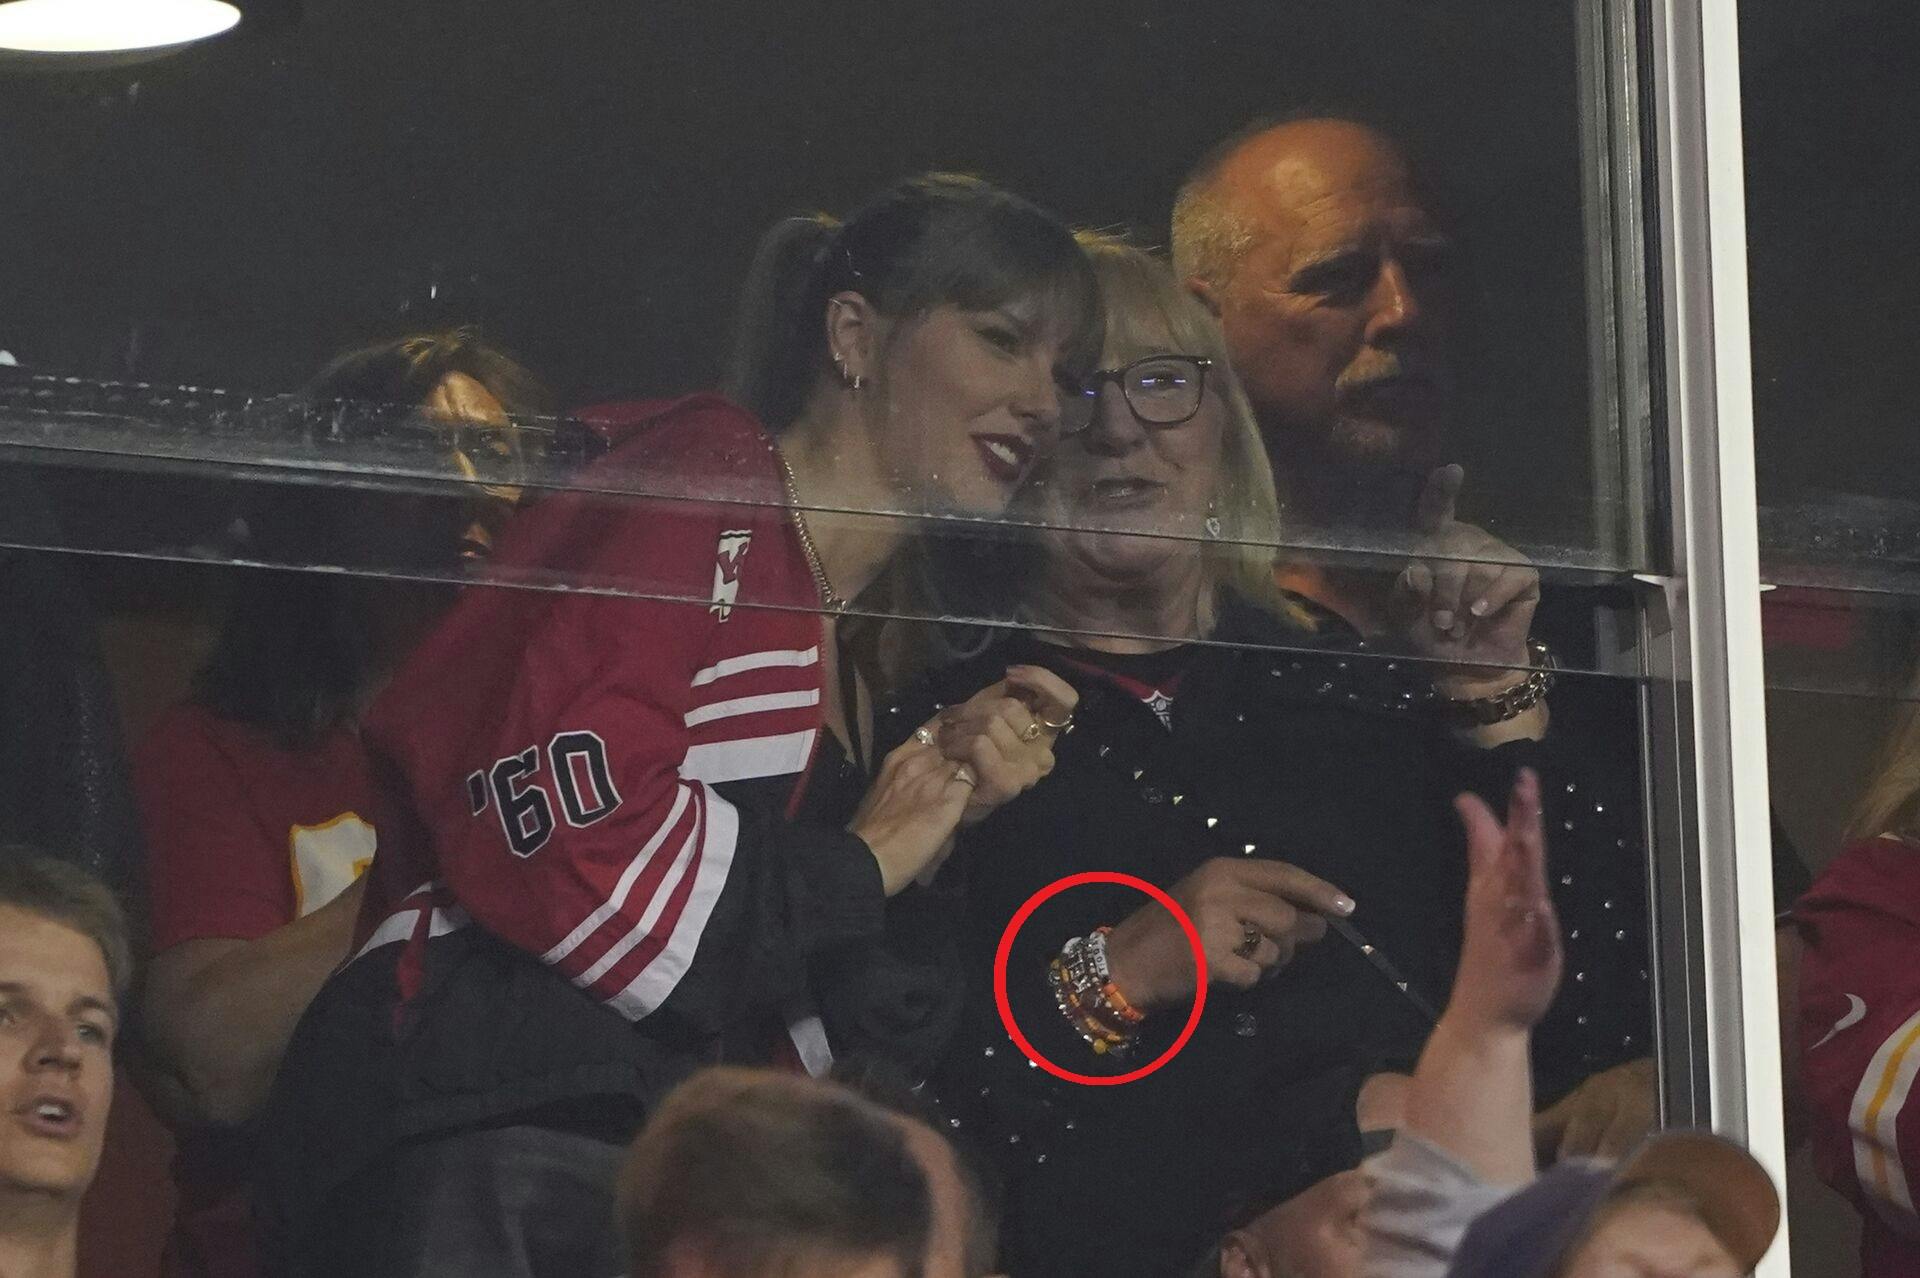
(645, 817)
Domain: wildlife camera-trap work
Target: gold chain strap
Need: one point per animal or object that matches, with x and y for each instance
(828, 596)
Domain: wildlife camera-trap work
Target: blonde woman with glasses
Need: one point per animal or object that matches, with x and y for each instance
(1276, 788)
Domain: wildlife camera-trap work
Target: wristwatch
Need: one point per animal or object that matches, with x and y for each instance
(1511, 702)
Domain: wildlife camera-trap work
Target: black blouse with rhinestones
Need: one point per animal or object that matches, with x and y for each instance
(1326, 759)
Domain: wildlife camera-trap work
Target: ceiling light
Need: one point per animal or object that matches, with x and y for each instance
(53, 33)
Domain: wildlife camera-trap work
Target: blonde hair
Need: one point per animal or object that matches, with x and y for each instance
(1149, 311)
(1891, 804)
(60, 892)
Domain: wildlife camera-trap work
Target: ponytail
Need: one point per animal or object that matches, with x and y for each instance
(933, 240)
(769, 367)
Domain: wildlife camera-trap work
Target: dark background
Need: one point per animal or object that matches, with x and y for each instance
(1833, 210)
(586, 178)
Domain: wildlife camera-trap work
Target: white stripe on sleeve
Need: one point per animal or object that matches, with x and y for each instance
(643, 927)
(658, 979)
(616, 902)
(775, 756)
(399, 927)
(756, 661)
(752, 705)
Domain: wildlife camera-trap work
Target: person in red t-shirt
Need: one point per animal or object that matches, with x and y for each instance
(260, 803)
(1859, 1013)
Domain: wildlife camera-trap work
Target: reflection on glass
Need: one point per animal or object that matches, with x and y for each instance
(1856, 643)
(1268, 795)
(679, 727)
(1829, 206)
(259, 797)
(1852, 1012)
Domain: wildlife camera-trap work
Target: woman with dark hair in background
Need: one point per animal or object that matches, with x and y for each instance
(1859, 1007)
(258, 796)
(1258, 787)
(643, 819)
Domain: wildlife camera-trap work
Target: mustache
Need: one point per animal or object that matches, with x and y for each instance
(1373, 367)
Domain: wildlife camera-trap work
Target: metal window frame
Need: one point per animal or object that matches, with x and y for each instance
(1620, 387)
(1707, 774)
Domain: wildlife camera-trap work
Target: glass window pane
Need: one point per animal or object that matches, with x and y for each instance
(1830, 196)
(565, 524)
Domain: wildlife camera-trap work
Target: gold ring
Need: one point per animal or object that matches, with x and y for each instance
(1031, 731)
(1250, 938)
(1061, 726)
(963, 774)
(924, 735)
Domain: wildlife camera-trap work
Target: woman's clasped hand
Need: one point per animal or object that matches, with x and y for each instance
(959, 767)
(1005, 733)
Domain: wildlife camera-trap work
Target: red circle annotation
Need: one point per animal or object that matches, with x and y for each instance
(1005, 949)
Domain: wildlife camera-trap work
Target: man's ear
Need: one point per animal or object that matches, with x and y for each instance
(1241, 1257)
(1205, 291)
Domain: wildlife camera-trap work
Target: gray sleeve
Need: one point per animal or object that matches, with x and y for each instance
(1421, 1205)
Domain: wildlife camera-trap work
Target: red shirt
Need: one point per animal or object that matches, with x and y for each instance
(1860, 1041)
(243, 837)
(572, 812)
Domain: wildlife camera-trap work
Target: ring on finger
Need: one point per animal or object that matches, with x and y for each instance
(924, 735)
(1250, 938)
(1061, 726)
(963, 774)
(1031, 731)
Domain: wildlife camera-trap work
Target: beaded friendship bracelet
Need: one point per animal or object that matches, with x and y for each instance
(1084, 990)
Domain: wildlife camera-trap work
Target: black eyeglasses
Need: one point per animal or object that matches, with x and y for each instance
(1162, 390)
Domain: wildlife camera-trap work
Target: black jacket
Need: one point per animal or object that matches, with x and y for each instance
(1323, 759)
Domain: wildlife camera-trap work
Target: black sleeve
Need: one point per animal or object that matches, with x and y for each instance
(896, 994)
(896, 997)
(1589, 768)
(807, 894)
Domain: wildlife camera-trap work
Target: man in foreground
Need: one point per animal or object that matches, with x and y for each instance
(64, 965)
(748, 1173)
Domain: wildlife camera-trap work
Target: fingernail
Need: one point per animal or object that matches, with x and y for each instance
(1343, 903)
(1443, 620)
(1479, 608)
